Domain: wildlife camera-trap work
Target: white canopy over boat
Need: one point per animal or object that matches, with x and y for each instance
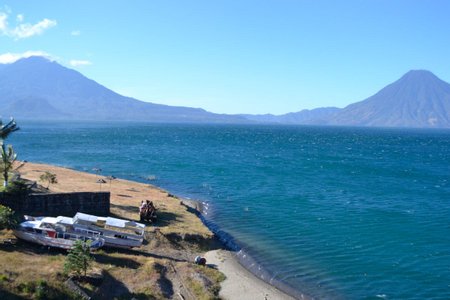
(114, 222)
(116, 232)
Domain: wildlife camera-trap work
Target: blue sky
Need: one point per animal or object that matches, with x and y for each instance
(235, 56)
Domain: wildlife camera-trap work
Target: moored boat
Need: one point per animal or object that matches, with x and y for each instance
(116, 232)
(56, 232)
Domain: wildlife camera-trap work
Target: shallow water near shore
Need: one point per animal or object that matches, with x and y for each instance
(349, 213)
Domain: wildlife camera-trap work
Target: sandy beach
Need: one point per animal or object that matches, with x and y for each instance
(240, 283)
(176, 219)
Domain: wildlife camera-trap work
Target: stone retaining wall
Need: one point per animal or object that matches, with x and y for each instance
(59, 204)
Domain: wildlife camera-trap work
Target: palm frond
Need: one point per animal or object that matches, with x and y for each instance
(8, 128)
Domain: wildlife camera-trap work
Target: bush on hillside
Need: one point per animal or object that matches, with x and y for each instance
(79, 259)
(7, 218)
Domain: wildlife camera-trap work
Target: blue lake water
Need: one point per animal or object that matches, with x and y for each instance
(350, 213)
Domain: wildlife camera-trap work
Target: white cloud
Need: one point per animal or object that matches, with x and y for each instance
(3, 22)
(27, 30)
(75, 32)
(8, 58)
(77, 63)
(23, 30)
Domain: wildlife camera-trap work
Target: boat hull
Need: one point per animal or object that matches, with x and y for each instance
(63, 243)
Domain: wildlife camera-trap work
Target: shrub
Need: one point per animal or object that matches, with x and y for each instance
(4, 278)
(48, 177)
(7, 218)
(79, 259)
(27, 287)
(41, 289)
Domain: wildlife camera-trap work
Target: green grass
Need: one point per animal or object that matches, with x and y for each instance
(4, 278)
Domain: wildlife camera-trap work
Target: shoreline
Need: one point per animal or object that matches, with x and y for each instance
(241, 283)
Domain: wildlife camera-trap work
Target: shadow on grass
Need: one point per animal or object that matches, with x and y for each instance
(124, 196)
(213, 266)
(17, 245)
(164, 283)
(107, 250)
(127, 208)
(165, 218)
(116, 261)
(8, 295)
(112, 288)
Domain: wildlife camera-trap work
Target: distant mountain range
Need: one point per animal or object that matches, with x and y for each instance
(418, 99)
(317, 116)
(36, 88)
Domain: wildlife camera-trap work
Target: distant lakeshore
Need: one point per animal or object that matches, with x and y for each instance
(36, 87)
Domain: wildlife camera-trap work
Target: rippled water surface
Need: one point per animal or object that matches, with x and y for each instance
(345, 213)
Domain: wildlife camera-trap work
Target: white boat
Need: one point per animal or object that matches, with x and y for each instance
(116, 232)
(56, 232)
